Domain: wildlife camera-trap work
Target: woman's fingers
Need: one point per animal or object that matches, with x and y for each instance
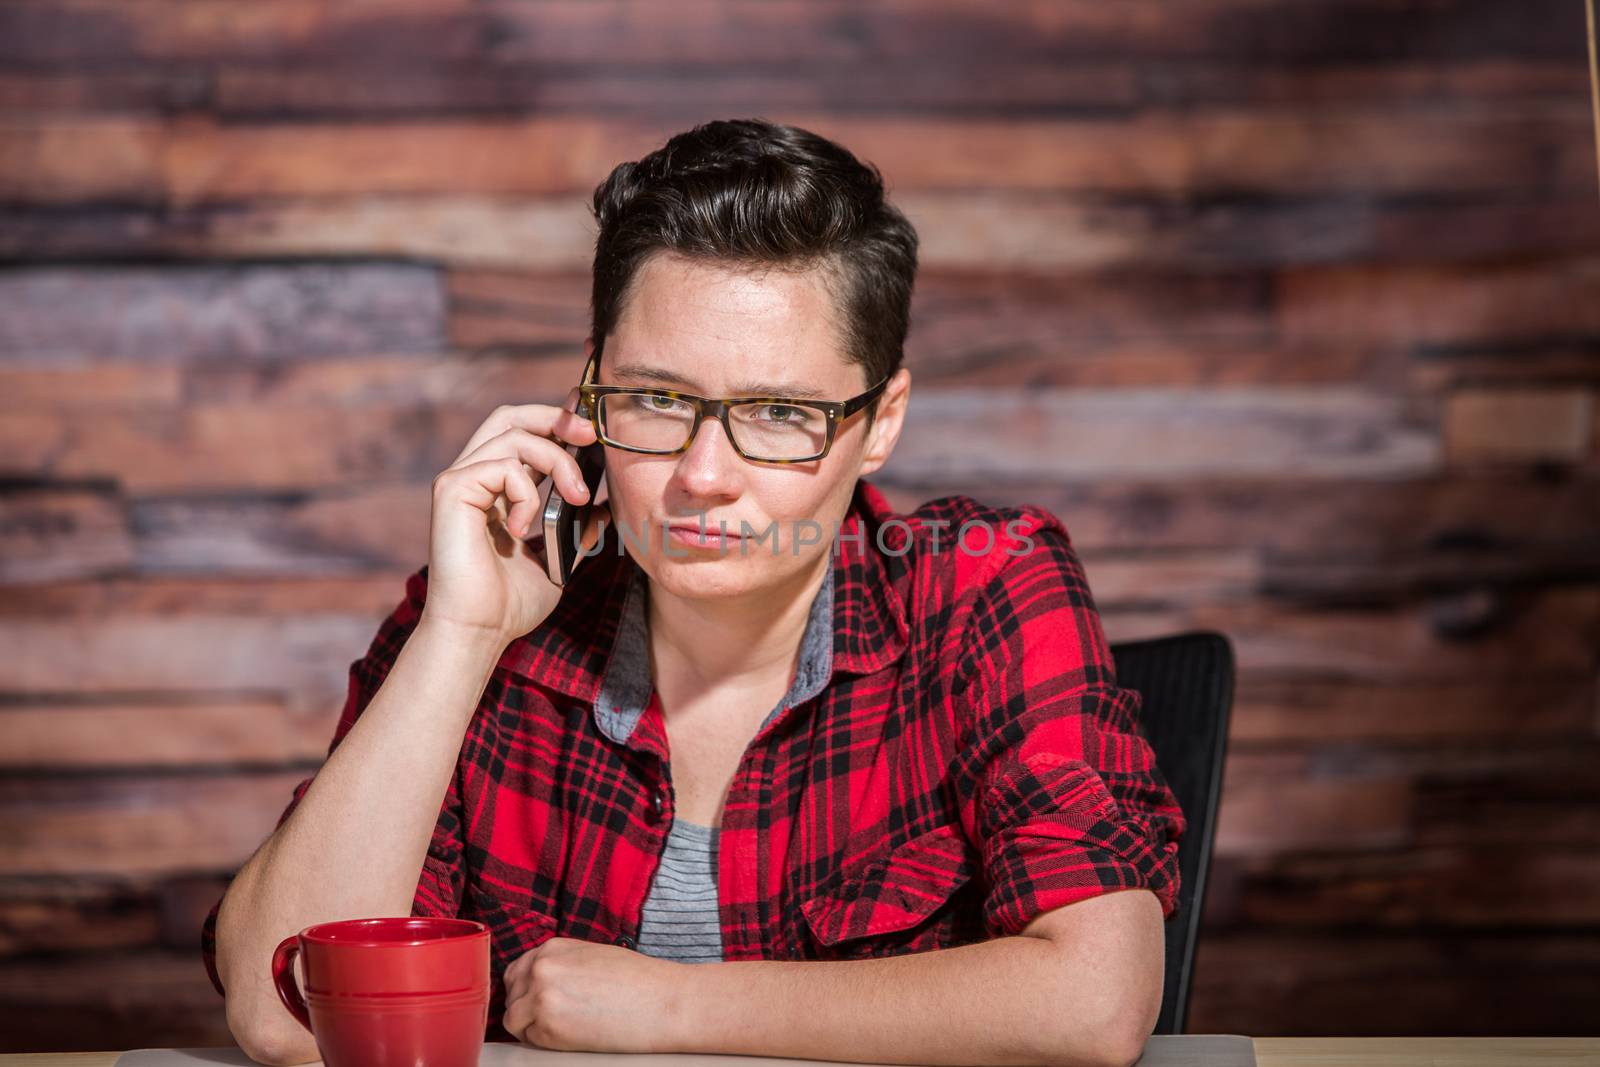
(482, 485)
(519, 1008)
(542, 457)
(542, 420)
(523, 494)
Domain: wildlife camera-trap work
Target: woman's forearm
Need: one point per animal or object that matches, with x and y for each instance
(1012, 1000)
(355, 844)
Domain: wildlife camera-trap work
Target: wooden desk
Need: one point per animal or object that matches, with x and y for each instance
(1270, 1052)
(1427, 1051)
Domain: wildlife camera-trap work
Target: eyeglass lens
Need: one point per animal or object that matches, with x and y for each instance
(762, 431)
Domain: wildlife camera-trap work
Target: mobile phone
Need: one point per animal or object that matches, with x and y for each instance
(564, 521)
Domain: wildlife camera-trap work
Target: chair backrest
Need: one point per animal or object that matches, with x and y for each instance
(1185, 681)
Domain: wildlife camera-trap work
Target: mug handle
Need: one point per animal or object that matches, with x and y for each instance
(283, 978)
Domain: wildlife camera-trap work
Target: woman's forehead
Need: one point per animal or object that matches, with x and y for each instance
(708, 329)
(716, 295)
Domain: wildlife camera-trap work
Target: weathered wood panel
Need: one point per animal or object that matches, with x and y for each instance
(372, 593)
(1527, 425)
(1505, 711)
(1261, 150)
(44, 32)
(54, 534)
(141, 998)
(1440, 514)
(76, 915)
(142, 825)
(178, 313)
(1339, 983)
(983, 230)
(232, 446)
(185, 653)
(198, 730)
(1553, 633)
(991, 83)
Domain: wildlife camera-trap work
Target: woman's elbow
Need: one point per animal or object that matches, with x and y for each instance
(272, 1038)
(1123, 1043)
(1115, 1041)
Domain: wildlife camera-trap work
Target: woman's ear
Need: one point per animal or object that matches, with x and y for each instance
(888, 422)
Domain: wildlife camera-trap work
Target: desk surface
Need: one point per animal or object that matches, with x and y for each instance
(1270, 1052)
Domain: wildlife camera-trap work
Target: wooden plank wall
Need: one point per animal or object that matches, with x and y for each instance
(1291, 310)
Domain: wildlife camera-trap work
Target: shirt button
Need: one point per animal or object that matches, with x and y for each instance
(624, 940)
(658, 804)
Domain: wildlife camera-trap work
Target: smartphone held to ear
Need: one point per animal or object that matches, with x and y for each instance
(564, 522)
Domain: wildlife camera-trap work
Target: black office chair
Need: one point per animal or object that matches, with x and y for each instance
(1186, 682)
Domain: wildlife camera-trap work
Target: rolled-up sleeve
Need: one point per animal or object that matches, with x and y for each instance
(439, 888)
(1060, 789)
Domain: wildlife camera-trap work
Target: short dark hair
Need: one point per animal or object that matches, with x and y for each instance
(760, 194)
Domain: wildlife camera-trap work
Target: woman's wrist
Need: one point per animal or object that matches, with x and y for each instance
(462, 650)
(682, 1024)
(470, 636)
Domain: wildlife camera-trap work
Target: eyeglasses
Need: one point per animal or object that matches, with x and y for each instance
(762, 429)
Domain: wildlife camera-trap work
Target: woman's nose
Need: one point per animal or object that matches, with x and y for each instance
(710, 460)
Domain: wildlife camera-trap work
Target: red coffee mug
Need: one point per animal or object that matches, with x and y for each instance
(388, 992)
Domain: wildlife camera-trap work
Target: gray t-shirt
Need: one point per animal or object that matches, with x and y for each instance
(680, 920)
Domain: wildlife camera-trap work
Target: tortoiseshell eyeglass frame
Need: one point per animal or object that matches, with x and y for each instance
(836, 411)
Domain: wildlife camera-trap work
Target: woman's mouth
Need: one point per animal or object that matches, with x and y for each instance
(710, 538)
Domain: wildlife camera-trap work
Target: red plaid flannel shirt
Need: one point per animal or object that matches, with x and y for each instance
(964, 762)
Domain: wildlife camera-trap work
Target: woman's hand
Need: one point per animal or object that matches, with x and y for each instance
(481, 575)
(580, 996)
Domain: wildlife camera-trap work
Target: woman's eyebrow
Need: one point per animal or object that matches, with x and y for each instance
(663, 376)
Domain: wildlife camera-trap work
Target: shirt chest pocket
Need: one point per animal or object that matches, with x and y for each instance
(910, 899)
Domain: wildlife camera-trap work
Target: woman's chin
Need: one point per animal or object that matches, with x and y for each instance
(708, 575)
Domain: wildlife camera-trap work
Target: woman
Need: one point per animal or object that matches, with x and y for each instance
(806, 753)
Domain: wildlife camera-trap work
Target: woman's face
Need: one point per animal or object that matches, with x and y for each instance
(703, 328)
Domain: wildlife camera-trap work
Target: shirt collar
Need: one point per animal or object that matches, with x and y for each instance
(594, 646)
(626, 685)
